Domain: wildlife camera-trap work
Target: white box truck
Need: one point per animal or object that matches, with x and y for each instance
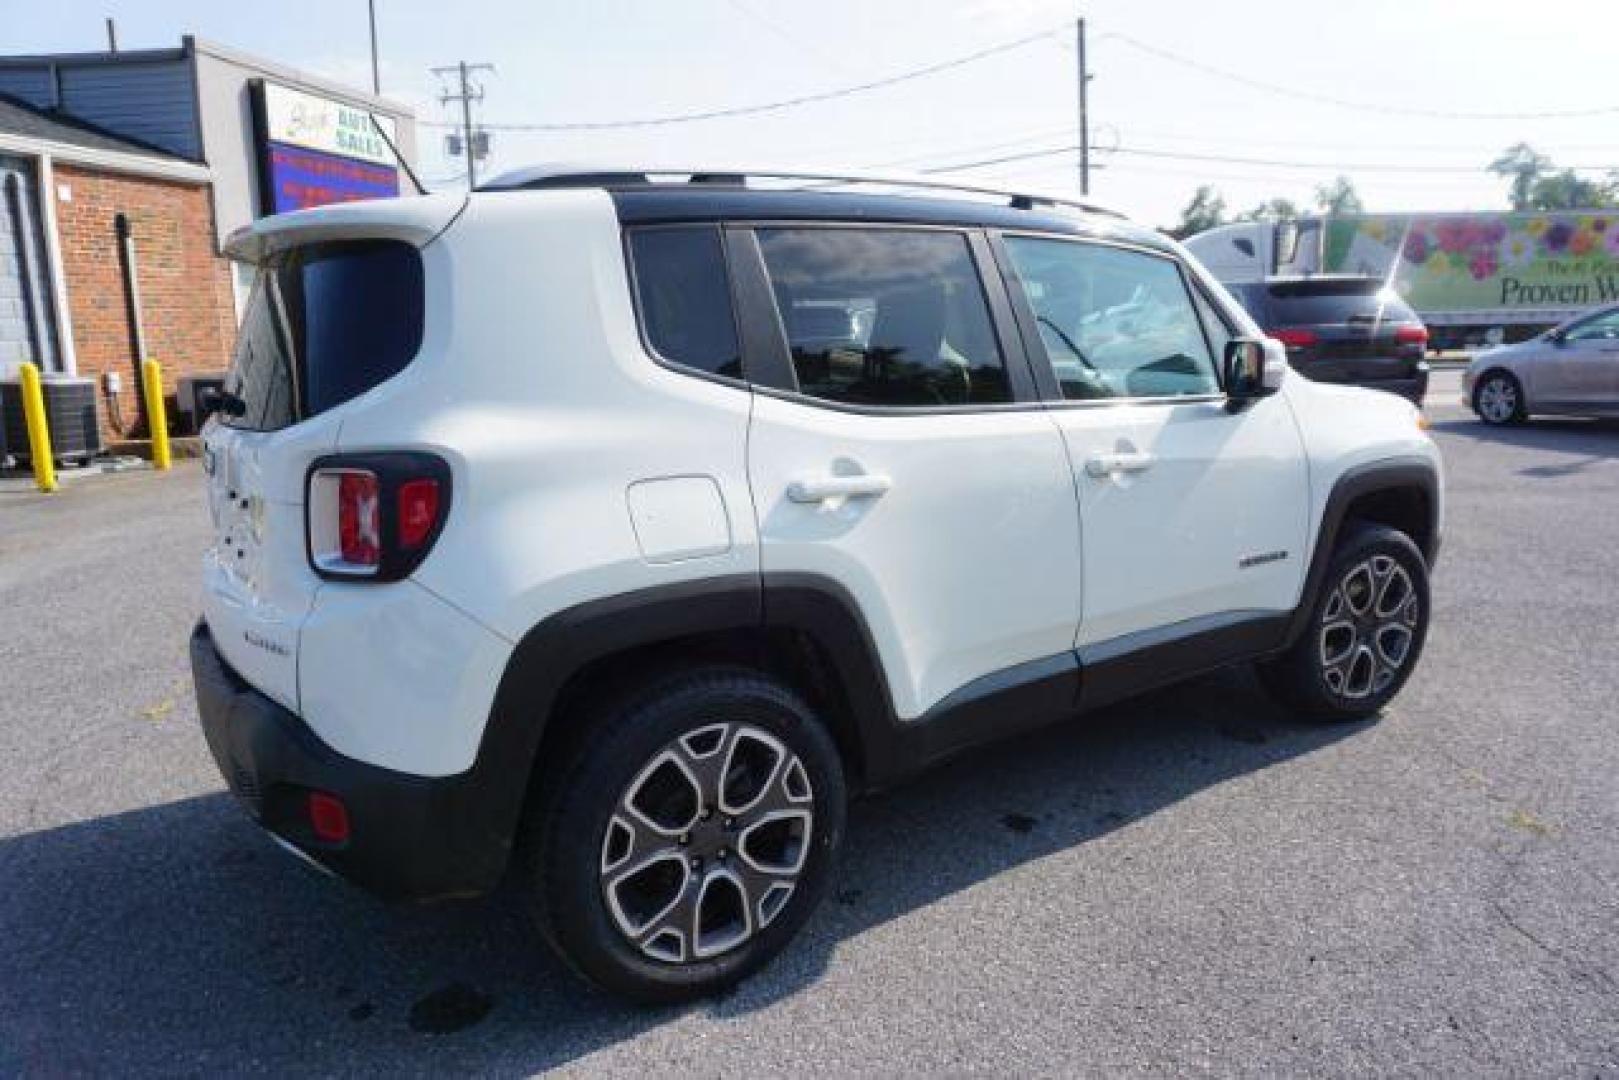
(1472, 277)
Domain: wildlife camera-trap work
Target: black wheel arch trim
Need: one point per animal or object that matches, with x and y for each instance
(1023, 697)
(1403, 473)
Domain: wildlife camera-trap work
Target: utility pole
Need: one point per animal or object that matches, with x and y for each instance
(1084, 113)
(376, 74)
(470, 92)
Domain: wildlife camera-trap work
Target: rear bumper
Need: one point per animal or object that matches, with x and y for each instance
(1412, 387)
(411, 837)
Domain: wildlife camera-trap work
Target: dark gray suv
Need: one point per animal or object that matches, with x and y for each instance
(1343, 329)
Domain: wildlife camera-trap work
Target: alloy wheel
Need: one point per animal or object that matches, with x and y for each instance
(1498, 400)
(706, 844)
(1367, 628)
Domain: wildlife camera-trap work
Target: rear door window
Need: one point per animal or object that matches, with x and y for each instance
(885, 317)
(684, 297)
(324, 324)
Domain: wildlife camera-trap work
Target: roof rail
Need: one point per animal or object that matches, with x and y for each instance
(575, 176)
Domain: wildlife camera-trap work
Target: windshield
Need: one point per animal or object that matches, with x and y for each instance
(324, 324)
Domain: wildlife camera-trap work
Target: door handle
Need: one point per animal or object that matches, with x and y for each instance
(821, 488)
(1105, 465)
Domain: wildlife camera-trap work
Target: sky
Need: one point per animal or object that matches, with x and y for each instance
(1346, 88)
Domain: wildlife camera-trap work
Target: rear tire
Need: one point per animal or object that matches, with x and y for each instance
(1498, 399)
(688, 837)
(1365, 634)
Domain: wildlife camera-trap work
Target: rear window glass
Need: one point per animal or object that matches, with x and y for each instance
(1323, 303)
(685, 298)
(324, 324)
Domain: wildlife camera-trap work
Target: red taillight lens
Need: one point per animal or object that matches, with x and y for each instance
(1294, 337)
(417, 503)
(328, 818)
(375, 517)
(359, 519)
(1411, 335)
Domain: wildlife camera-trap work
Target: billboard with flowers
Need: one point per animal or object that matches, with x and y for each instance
(1471, 262)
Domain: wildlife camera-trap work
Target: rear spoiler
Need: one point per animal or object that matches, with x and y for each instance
(415, 220)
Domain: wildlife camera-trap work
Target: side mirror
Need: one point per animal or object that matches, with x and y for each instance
(1253, 369)
(1557, 336)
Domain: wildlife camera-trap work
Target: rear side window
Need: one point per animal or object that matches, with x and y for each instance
(324, 324)
(885, 317)
(684, 297)
(1317, 303)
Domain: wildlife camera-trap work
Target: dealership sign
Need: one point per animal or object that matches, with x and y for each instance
(314, 150)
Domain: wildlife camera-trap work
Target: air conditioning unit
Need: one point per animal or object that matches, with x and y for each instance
(195, 398)
(70, 413)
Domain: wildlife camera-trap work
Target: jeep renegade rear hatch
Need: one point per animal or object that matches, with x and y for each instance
(326, 322)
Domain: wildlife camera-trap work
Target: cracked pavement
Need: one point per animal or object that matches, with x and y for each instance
(1189, 883)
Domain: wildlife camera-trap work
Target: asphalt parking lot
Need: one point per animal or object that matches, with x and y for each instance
(1191, 882)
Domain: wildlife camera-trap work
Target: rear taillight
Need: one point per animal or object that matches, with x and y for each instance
(1295, 337)
(1411, 335)
(418, 512)
(374, 517)
(359, 519)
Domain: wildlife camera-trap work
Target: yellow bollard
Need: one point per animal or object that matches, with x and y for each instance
(39, 435)
(152, 387)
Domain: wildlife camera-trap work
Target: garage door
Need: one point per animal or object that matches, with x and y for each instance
(27, 325)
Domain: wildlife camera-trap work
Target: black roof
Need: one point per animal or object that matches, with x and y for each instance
(663, 203)
(17, 117)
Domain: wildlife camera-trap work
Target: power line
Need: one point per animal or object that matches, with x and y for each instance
(1345, 103)
(1341, 166)
(1359, 144)
(1033, 136)
(769, 106)
(1229, 159)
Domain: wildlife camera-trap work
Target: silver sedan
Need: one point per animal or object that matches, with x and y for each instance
(1570, 370)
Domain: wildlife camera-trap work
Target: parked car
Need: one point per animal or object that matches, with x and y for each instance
(1343, 329)
(1570, 370)
(613, 531)
(1471, 277)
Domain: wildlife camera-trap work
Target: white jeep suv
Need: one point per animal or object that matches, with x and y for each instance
(614, 530)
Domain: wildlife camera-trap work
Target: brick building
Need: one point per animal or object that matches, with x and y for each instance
(120, 176)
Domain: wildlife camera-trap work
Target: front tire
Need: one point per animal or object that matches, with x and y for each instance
(689, 836)
(1365, 634)
(1498, 399)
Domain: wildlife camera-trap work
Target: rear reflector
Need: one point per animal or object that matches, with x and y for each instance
(328, 818)
(1295, 337)
(1411, 335)
(418, 512)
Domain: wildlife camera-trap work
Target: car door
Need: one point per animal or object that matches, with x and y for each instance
(1193, 516)
(897, 452)
(1581, 368)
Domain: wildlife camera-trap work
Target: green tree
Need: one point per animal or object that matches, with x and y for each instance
(1523, 167)
(1274, 209)
(1567, 191)
(1204, 212)
(1339, 197)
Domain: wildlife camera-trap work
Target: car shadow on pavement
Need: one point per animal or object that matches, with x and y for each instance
(1597, 439)
(176, 938)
